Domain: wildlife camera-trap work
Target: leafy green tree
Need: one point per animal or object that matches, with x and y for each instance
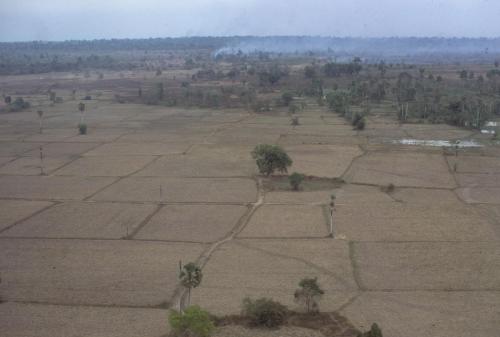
(190, 276)
(295, 180)
(271, 158)
(309, 294)
(193, 322)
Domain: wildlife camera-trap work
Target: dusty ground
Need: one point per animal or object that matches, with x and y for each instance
(91, 248)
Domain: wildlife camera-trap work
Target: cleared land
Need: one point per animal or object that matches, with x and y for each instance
(98, 239)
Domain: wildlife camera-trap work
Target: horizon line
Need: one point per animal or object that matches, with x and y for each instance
(257, 36)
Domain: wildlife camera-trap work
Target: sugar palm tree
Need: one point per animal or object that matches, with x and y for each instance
(190, 276)
(40, 117)
(81, 107)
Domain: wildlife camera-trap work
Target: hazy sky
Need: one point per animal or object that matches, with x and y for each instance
(22, 20)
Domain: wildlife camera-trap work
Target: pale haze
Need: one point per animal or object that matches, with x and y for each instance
(26, 20)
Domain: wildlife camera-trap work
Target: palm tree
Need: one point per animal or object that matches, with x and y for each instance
(81, 107)
(332, 208)
(40, 117)
(190, 276)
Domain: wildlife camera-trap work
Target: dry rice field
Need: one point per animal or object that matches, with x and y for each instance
(93, 234)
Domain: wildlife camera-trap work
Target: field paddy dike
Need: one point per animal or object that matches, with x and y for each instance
(91, 247)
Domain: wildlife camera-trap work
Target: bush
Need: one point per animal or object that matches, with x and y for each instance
(19, 104)
(295, 180)
(287, 98)
(264, 312)
(82, 128)
(194, 322)
(356, 118)
(360, 125)
(389, 188)
(373, 332)
(270, 158)
(293, 108)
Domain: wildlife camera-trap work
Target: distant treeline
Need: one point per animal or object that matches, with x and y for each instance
(117, 54)
(275, 44)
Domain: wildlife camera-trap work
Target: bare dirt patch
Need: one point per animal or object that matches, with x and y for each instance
(12, 211)
(435, 131)
(479, 195)
(273, 268)
(62, 149)
(322, 160)
(50, 187)
(93, 272)
(401, 169)
(138, 149)
(205, 161)
(105, 166)
(440, 217)
(212, 190)
(199, 223)
(478, 180)
(476, 164)
(300, 197)
(428, 313)
(286, 221)
(13, 149)
(83, 220)
(33, 320)
(441, 265)
(33, 166)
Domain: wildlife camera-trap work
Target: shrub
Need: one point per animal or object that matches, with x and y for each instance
(287, 98)
(358, 122)
(270, 158)
(295, 180)
(194, 322)
(389, 188)
(82, 128)
(360, 125)
(356, 118)
(373, 332)
(309, 293)
(19, 104)
(293, 108)
(264, 312)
